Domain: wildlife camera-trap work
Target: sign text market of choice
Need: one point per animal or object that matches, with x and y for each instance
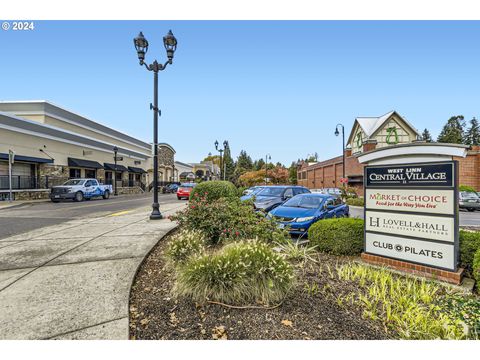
(410, 213)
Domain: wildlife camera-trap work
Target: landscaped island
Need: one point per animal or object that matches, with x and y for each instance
(228, 272)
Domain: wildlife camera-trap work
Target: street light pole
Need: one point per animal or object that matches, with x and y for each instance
(267, 157)
(115, 150)
(222, 159)
(343, 146)
(141, 45)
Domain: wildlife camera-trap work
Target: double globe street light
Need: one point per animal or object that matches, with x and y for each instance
(141, 45)
(225, 144)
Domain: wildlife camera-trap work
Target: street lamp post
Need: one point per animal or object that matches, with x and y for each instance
(343, 146)
(267, 157)
(222, 160)
(115, 151)
(141, 45)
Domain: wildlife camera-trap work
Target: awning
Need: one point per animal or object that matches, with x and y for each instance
(84, 163)
(31, 159)
(136, 170)
(111, 167)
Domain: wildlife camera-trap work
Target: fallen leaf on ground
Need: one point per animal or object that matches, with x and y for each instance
(219, 333)
(144, 322)
(287, 323)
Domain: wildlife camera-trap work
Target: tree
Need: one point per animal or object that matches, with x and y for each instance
(472, 135)
(426, 136)
(453, 130)
(258, 164)
(292, 173)
(312, 158)
(214, 158)
(228, 164)
(244, 161)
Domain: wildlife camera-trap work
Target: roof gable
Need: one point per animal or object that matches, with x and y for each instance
(370, 125)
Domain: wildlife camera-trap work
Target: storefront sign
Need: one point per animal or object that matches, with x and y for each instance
(422, 226)
(411, 213)
(440, 174)
(411, 200)
(417, 251)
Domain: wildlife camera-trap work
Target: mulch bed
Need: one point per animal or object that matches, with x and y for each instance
(156, 314)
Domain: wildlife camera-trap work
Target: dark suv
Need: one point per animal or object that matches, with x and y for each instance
(272, 196)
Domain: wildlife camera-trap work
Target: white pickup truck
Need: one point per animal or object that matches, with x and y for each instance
(80, 189)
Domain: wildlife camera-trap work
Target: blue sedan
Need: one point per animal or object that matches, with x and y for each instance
(301, 211)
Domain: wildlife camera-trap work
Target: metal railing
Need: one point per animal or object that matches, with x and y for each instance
(25, 182)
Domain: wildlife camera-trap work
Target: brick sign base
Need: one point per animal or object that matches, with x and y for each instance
(421, 270)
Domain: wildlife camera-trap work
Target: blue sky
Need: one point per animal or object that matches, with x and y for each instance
(276, 87)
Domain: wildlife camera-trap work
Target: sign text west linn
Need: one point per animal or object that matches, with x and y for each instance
(411, 175)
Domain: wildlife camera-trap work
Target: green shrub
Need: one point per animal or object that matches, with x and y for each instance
(466, 188)
(469, 244)
(183, 245)
(240, 190)
(228, 219)
(342, 236)
(239, 273)
(476, 268)
(355, 201)
(213, 190)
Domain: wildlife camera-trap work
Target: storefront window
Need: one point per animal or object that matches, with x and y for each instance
(75, 173)
(90, 173)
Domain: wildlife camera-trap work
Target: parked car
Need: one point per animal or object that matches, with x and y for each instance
(469, 200)
(171, 188)
(80, 189)
(332, 191)
(183, 191)
(301, 211)
(271, 196)
(251, 192)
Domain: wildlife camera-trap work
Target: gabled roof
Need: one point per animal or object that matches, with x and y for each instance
(370, 125)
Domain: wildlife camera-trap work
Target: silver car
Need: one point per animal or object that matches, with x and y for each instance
(469, 200)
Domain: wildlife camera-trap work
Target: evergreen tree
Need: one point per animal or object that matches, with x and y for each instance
(472, 135)
(426, 136)
(292, 173)
(244, 161)
(228, 164)
(453, 131)
(259, 164)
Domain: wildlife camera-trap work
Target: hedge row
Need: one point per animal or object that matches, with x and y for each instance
(355, 201)
(343, 236)
(476, 268)
(469, 245)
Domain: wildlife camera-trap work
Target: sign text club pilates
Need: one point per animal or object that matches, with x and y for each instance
(411, 213)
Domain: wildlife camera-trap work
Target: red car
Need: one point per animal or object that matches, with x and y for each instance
(183, 191)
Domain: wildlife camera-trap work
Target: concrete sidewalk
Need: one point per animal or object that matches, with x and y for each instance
(72, 281)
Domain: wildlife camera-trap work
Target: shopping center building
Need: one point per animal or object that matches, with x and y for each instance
(368, 134)
(52, 144)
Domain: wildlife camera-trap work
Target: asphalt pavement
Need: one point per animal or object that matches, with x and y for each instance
(26, 217)
(466, 218)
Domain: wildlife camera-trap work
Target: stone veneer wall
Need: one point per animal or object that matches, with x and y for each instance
(165, 156)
